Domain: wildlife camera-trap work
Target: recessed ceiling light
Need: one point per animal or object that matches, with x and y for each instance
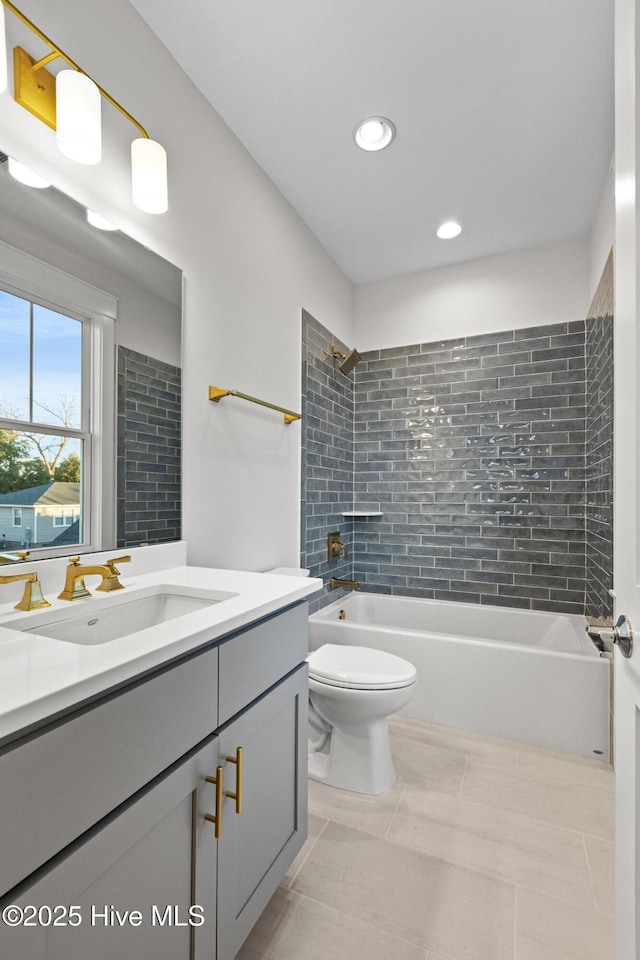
(374, 133)
(26, 175)
(449, 230)
(97, 220)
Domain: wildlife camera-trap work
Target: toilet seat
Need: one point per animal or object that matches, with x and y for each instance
(359, 668)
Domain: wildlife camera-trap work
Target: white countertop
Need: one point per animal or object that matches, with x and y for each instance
(40, 676)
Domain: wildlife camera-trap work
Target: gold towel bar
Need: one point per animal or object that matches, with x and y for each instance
(217, 393)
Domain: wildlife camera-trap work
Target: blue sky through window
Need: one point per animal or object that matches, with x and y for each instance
(57, 363)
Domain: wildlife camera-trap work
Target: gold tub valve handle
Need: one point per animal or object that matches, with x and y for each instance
(335, 547)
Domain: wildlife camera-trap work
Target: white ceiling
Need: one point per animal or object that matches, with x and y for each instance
(503, 109)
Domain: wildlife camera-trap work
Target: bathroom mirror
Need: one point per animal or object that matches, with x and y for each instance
(119, 356)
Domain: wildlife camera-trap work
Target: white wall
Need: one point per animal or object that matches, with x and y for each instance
(525, 288)
(250, 265)
(146, 322)
(602, 232)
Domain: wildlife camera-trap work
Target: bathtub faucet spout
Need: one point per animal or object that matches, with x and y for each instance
(346, 584)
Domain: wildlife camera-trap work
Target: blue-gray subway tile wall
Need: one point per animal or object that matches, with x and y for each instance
(148, 442)
(489, 457)
(599, 467)
(483, 461)
(326, 456)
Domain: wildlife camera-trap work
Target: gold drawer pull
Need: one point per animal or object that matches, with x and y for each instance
(237, 795)
(217, 819)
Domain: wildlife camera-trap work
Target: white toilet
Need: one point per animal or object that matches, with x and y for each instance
(352, 691)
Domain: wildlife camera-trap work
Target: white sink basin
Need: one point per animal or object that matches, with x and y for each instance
(101, 620)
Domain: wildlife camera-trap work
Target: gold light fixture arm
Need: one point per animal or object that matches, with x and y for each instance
(57, 52)
(45, 60)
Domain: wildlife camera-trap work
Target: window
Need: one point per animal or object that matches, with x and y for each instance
(63, 518)
(57, 399)
(44, 416)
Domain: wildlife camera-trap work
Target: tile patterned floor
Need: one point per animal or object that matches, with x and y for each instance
(483, 849)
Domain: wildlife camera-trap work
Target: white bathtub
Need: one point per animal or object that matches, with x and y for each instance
(534, 677)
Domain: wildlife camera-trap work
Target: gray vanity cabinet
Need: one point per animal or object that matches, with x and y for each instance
(159, 852)
(257, 845)
(197, 896)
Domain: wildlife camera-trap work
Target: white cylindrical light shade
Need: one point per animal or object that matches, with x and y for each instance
(149, 176)
(26, 175)
(98, 221)
(4, 74)
(78, 121)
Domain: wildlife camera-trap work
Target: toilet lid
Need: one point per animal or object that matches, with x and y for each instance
(360, 668)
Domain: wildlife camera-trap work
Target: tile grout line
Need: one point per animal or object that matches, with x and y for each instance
(354, 918)
(520, 889)
(517, 813)
(501, 745)
(496, 876)
(571, 777)
(462, 778)
(393, 815)
(524, 816)
(566, 778)
(590, 873)
(550, 823)
(309, 852)
(558, 756)
(479, 871)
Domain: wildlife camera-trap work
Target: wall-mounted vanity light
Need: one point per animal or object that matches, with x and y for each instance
(99, 222)
(71, 105)
(26, 175)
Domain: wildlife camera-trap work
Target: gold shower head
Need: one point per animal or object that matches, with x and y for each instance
(349, 360)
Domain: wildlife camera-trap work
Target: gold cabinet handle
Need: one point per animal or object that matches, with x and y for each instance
(237, 795)
(217, 819)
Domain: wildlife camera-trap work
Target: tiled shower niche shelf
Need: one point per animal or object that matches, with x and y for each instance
(354, 514)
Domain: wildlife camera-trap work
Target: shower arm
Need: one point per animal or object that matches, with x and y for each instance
(348, 361)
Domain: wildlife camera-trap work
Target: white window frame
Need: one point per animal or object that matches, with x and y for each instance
(26, 276)
(15, 513)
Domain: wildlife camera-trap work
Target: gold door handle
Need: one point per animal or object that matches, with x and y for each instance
(217, 819)
(237, 795)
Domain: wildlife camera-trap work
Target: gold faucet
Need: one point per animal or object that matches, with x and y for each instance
(74, 588)
(22, 555)
(32, 598)
(344, 584)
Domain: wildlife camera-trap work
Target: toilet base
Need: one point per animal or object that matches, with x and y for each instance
(358, 760)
